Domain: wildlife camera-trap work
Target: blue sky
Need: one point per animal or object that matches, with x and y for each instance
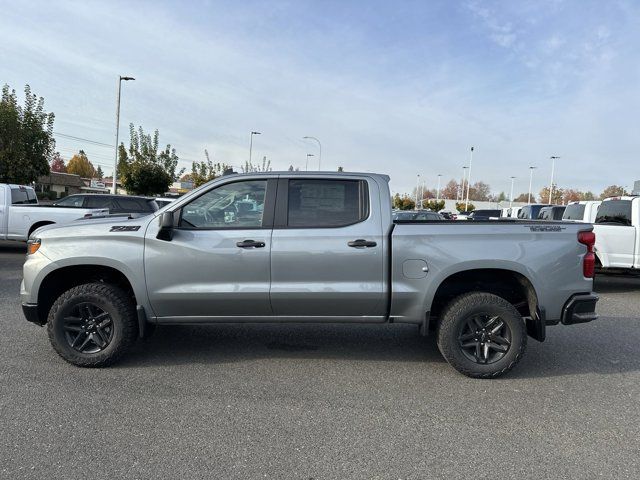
(402, 88)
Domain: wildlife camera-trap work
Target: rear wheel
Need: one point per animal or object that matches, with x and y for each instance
(481, 335)
(92, 325)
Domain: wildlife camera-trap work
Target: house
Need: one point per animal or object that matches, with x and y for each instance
(61, 184)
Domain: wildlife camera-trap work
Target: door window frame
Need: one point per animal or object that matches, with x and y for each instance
(281, 221)
(268, 210)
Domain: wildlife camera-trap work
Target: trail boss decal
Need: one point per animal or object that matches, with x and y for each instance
(125, 228)
(546, 228)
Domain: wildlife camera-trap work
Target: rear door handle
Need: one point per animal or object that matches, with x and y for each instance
(361, 243)
(250, 244)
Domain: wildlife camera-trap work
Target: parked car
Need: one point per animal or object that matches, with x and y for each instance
(118, 204)
(617, 229)
(484, 214)
(21, 215)
(530, 212)
(553, 212)
(416, 216)
(447, 215)
(583, 211)
(320, 247)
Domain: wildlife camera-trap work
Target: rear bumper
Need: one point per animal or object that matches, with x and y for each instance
(30, 312)
(580, 308)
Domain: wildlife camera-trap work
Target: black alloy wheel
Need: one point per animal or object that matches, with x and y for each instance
(88, 328)
(484, 339)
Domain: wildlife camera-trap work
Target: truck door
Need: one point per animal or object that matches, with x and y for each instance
(328, 250)
(216, 265)
(615, 234)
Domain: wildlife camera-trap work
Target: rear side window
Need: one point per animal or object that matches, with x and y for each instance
(72, 201)
(22, 196)
(98, 201)
(614, 212)
(129, 204)
(524, 212)
(327, 203)
(574, 212)
(557, 213)
(544, 214)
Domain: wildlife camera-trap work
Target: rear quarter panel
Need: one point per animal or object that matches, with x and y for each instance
(550, 260)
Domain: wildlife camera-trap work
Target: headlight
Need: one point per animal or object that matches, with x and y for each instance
(33, 245)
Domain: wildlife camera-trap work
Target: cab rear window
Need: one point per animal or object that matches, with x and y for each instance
(23, 195)
(574, 212)
(614, 212)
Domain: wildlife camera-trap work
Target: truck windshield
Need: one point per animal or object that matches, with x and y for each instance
(575, 211)
(614, 212)
(23, 195)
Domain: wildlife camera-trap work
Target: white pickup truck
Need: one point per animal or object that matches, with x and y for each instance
(617, 229)
(20, 213)
(582, 211)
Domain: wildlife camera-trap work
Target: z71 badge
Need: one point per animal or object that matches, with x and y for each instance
(125, 228)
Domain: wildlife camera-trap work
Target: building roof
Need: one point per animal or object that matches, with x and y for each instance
(64, 179)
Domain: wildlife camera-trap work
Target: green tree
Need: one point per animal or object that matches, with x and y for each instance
(250, 167)
(26, 137)
(80, 165)
(205, 171)
(435, 205)
(460, 206)
(99, 173)
(145, 169)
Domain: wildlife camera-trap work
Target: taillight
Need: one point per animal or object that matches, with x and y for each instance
(589, 260)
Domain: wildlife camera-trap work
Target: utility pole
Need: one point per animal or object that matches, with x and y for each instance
(251, 145)
(466, 205)
(114, 188)
(417, 189)
(511, 196)
(438, 189)
(531, 169)
(553, 165)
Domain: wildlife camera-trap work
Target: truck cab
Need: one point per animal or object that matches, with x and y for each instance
(617, 229)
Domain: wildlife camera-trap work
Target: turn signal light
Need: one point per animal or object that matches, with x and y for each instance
(33, 246)
(589, 260)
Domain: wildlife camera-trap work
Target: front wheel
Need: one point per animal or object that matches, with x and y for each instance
(92, 325)
(481, 335)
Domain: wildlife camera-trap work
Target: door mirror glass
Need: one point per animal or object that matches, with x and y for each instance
(166, 227)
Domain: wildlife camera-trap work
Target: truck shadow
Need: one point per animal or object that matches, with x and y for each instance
(607, 346)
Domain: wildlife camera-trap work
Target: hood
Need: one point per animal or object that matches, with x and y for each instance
(95, 226)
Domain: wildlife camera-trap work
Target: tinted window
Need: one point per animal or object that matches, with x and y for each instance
(574, 211)
(23, 195)
(327, 203)
(616, 212)
(524, 212)
(130, 204)
(234, 205)
(98, 201)
(72, 201)
(557, 213)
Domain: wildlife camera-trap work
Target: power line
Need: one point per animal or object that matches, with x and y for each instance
(71, 137)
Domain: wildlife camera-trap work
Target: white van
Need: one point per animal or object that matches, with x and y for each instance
(584, 211)
(617, 226)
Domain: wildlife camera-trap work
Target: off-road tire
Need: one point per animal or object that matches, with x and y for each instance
(110, 299)
(453, 319)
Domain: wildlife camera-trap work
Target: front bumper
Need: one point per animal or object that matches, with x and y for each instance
(580, 308)
(30, 312)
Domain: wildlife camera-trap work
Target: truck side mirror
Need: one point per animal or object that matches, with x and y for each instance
(166, 227)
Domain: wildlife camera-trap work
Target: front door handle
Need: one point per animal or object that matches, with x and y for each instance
(250, 244)
(361, 243)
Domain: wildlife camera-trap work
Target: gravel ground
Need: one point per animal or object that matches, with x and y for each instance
(274, 401)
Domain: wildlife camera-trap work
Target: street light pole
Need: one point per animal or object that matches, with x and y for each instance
(307, 165)
(466, 205)
(464, 177)
(438, 190)
(251, 145)
(114, 188)
(319, 147)
(531, 169)
(511, 195)
(553, 165)
(417, 189)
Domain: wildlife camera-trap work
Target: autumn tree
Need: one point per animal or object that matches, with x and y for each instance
(556, 199)
(144, 168)
(80, 165)
(26, 137)
(57, 164)
(451, 190)
(435, 205)
(524, 198)
(612, 191)
(462, 206)
(205, 171)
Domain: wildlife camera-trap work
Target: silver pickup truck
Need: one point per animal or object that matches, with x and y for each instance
(307, 247)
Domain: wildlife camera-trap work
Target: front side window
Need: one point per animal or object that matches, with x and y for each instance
(326, 203)
(614, 212)
(234, 205)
